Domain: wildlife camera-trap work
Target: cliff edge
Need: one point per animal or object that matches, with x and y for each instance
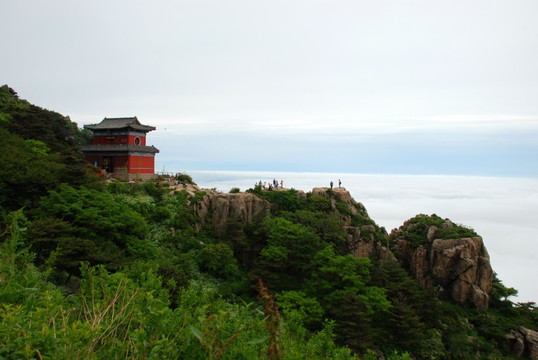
(449, 257)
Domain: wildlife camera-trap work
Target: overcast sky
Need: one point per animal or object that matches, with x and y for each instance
(409, 87)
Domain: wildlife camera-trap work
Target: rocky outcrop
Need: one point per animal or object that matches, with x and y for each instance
(217, 208)
(524, 343)
(362, 243)
(463, 267)
(459, 266)
(361, 239)
(340, 194)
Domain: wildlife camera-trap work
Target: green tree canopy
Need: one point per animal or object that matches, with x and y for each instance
(285, 259)
(218, 260)
(101, 230)
(27, 171)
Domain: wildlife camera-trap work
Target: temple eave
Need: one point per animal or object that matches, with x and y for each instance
(119, 148)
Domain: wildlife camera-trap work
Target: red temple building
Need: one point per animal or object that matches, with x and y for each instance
(119, 147)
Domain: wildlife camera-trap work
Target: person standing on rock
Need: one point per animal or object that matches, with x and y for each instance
(331, 185)
(339, 183)
(282, 184)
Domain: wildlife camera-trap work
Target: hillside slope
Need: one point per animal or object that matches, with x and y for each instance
(90, 269)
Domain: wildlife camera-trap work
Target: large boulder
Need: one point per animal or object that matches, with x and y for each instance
(524, 342)
(462, 266)
(459, 266)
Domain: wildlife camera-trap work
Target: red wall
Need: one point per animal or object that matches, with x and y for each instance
(141, 164)
(120, 162)
(134, 165)
(131, 139)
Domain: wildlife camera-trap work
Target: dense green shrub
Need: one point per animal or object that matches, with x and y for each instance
(99, 229)
(25, 174)
(317, 202)
(304, 308)
(416, 230)
(119, 187)
(182, 177)
(40, 152)
(286, 200)
(361, 219)
(455, 232)
(118, 316)
(284, 261)
(328, 226)
(343, 208)
(218, 260)
(257, 190)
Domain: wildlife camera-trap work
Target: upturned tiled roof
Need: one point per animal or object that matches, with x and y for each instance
(119, 147)
(119, 123)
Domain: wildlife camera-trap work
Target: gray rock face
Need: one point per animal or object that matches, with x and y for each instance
(524, 342)
(363, 246)
(222, 206)
(459, 266)
(431, 233)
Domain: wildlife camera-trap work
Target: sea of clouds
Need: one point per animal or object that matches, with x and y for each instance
(502, 210)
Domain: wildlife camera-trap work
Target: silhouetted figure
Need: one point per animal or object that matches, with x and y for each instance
(331, 185)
